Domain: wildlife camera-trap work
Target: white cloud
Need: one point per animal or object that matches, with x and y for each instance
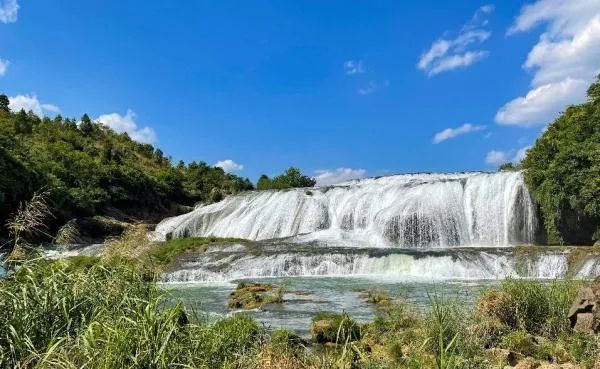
(496, 157)
(372, 87)
(8, 11)
(3, 66)
(126, 123)
(353, 67)
(229, 166)
(449, 133)
(31, 102)
(457, 61)
(542, 104)
(328, 177)
(565, 60)
(521, 153)
(369, 89)
(449, 54)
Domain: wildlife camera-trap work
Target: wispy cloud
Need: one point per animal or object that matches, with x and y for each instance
(447, 54)
(352, 67)
(497, 157)
(3, 66)
(449, 133)
(372, 87)
(31, 103)
(127, 124)
(369, 89)
(566, 59)
(229, 166)
(327, 177)
(8, 11)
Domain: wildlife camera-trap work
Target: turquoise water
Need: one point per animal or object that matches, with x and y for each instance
(305, 296)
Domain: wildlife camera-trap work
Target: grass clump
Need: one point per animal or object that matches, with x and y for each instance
(536, 307)
(164, 253)
(254, 295)
(329, 327)
(376, 297)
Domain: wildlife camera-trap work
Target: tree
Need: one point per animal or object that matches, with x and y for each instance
(291, 178)
(22, 123)
(264, 183)
(562, 170)
(4, 103)
(508, 167)
(86, 126)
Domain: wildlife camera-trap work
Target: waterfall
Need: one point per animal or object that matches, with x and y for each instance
(408, 211)
(234, 263)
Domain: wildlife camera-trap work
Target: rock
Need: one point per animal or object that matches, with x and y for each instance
(89, 230)
(584, 314)
(527, 363)
(502, 356)
(254, 295)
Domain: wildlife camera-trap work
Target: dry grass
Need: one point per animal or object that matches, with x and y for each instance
(30, 218)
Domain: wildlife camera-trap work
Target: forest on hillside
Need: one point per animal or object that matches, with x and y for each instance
(88, 169)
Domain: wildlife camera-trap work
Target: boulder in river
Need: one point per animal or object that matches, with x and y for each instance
(585, 310)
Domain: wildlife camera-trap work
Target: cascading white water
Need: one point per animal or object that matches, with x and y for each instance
(221, 265)
(412, 210)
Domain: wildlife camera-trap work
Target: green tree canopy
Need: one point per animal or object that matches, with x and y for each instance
(92, 170)
(562, 170)
(291, 178)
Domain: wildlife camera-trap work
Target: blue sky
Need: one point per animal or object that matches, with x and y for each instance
(338, 88)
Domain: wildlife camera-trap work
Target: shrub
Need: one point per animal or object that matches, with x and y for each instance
(336, 328)
(536, 307)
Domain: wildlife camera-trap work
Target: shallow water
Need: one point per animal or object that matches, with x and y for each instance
(306, 296)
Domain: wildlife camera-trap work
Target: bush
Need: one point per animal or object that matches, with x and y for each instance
(334, 328)
(533, 306)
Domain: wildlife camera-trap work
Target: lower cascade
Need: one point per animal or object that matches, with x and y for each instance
(241, 262)
(408, 211)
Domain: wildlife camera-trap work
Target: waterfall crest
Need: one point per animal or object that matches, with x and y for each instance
(409, 211)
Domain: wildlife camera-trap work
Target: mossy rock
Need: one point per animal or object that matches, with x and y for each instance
(334, 328)
(254, 295)
(376, 297)
(89, 230)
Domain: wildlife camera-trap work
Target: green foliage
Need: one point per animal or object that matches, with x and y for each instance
(562, 170)
(291, 178)
(4, 102)
(532, 306)
(164, 253)
(96, 315)
(508, 167)
(92, 170)
(336, 328)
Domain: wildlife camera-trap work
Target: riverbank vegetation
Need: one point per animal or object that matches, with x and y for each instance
(102, 313)
(562, 170)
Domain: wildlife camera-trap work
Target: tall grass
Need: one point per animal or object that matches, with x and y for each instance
(99, 315)
(533, 306)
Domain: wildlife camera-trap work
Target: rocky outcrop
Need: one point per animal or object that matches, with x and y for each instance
(254, 296)
(585, 310)
(89, 230)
